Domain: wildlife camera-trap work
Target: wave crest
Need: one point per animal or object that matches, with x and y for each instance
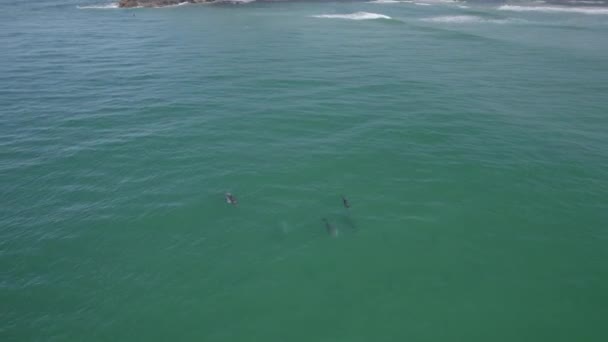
(554, 9)
(389, 1)
(464, 19)
(104, 6)
(354, 16)
(233, 2)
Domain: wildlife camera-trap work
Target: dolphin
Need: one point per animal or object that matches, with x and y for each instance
(331, 230)
(345, 202)
(230, 199)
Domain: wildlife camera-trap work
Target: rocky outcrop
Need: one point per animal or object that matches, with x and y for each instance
(156, 3)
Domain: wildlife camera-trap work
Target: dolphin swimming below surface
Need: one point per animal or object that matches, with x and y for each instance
(230, 199)
(331, 230)
(345, 202)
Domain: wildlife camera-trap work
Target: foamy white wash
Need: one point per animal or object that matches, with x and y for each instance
(104, 6)
(354, 16)
(234, 1)
(464, 19)
(554, 9)
(384, 2)
(176, 5)
(390, 1)
(435, 2)
(586, 2)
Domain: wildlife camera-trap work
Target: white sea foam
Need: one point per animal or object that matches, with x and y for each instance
(384, 2)
(464, 19)
(462, 6)
(435, 2)
(176, 5)
(103, 6)
(234, 1)
(554, 9)
(354, 16)
(165, 6)
(586, 2)
(115, 5)
(390, 1)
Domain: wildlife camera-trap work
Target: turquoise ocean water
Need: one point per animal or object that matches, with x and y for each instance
(470, 139)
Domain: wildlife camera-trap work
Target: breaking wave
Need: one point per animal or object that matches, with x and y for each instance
(104, 6)
(390, 1)
(464, 19)
(586, 2)
(554, 9)
(354, 16)
(234, 2)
